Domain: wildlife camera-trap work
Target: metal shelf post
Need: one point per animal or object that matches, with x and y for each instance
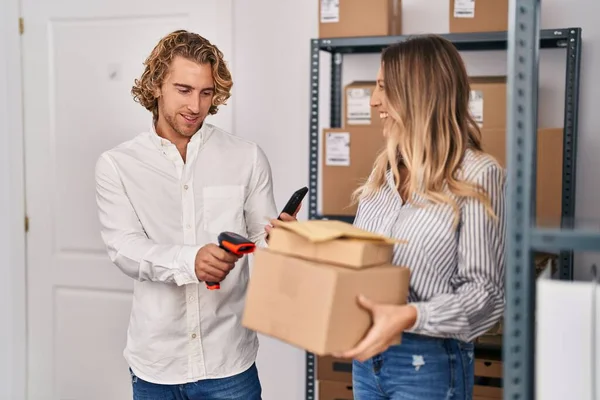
(570, 144)
(522, 107)
(336, 90)
(313, 168)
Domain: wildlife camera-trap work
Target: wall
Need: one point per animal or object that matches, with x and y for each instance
(12, 243)
(270, 97)
(272, 107)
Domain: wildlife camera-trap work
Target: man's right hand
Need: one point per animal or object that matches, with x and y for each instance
(213, 263)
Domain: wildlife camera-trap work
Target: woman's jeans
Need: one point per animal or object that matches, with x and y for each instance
(420, 368)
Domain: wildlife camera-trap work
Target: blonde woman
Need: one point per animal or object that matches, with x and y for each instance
(434, 186)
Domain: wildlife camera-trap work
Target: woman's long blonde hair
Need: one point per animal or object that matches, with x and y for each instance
(429, 126)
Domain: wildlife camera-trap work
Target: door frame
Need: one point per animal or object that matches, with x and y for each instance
(13, 300)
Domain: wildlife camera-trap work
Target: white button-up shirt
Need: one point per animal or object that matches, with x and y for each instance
(156, 212)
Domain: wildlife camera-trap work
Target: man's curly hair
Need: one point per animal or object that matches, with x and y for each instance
(192, 47)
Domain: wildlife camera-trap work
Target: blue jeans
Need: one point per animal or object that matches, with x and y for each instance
(244, 386)
(419, 368)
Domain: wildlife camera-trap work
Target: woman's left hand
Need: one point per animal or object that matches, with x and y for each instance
(389, 321)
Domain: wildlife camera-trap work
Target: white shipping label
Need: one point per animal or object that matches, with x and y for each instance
(330, 11)
(358, 106)
(464, 8)
(476, 106)
(337, 149)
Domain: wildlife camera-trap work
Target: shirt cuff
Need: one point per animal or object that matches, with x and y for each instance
(422, 317)
(186, 266)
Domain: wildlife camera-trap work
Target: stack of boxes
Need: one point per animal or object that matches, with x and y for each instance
(349, 152)
(488, 379)
(335, 378)
(304, 291)
(304, 287)
(488, 107)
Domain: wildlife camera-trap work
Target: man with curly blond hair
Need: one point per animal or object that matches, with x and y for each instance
(163, 198)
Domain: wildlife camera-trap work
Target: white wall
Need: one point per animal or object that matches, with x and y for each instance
(12, 263)
(270, 97)
(271, 51)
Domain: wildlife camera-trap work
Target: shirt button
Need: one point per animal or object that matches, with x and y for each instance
(193, 336)
(188, 226)
(185, 187)
(191, 298)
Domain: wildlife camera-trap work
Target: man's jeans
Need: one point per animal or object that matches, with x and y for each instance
(244, 386)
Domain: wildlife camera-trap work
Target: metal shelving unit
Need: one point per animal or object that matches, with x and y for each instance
(522, 41)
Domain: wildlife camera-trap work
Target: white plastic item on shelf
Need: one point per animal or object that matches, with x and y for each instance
(567, 339)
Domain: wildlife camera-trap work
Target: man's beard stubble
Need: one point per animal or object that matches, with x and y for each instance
(173, 124)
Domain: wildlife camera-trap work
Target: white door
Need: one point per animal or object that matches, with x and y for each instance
(80, 61)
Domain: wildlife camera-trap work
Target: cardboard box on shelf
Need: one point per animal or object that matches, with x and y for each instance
(312, 304)
(347, 161)
(488, 368)
(357, 105)
(548, 170)
(334, 369)
(335, 391)
(549, 177)
(481, 392)
(488, 101)
(478, 15)
(351, 18)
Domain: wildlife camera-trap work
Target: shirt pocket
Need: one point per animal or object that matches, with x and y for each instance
(223, 208)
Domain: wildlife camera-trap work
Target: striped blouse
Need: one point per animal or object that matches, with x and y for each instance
(457, 274)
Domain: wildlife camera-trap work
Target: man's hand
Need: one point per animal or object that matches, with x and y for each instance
(213, 263)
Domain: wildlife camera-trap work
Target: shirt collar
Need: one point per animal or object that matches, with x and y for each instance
(161, 142)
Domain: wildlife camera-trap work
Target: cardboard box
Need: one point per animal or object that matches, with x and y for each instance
(347, 161)
(488, 368)
(335, 391)
(357, 105)
(549, 170)
(334, 369)
(487, 392)
(313, 305)
(331, 242)
(549, 177)
(488, 101)
(478, 15)
(351, 18)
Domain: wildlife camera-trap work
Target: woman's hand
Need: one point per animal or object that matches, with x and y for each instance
(389, 321)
